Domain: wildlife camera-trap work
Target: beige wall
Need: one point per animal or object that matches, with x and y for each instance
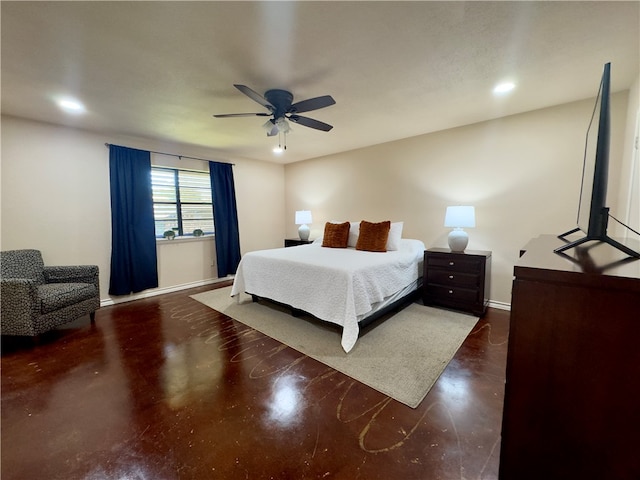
(55, 198)
(521, 172)
(629, 193)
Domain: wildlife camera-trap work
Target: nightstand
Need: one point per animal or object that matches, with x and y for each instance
(294, 242)
(457, 280)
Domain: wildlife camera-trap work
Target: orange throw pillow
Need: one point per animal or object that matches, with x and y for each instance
(373, 236)
(336, 235)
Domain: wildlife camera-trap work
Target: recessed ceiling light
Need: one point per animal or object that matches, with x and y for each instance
(70, 105)
(503, 88)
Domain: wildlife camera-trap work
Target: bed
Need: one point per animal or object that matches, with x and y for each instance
(344, 286)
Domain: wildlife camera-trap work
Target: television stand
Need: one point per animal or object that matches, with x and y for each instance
(597, 232)
(588, 238)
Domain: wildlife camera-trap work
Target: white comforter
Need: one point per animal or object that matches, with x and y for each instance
(339, 285)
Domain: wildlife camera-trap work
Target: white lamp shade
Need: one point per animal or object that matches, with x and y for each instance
(303, 217)
(460, 216)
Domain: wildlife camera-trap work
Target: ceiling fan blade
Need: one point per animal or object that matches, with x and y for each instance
(311, 123)
(226, 115)
(312, 104)
(256, 97)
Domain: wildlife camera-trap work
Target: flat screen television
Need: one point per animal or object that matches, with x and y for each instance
(593, 214)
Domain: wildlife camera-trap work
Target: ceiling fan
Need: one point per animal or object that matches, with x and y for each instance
(278, 102)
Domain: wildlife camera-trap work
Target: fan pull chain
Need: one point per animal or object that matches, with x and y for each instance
(280, 135)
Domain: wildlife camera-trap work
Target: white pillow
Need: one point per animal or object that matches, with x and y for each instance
(395, 234)
(354, 231)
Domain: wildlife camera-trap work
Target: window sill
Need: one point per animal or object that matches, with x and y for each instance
(204, 238)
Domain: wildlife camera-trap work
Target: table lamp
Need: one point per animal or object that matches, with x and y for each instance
(303, 217)
(459, 217)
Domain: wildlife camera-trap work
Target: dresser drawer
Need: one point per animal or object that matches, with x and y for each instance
(453, 278)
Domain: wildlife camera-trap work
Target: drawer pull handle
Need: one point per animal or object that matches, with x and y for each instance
(452, 263)
(450, 277)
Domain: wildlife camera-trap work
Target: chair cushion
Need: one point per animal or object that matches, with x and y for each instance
(54, 296)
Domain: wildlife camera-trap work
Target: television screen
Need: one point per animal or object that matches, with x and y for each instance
(588, 166)
(593, 214)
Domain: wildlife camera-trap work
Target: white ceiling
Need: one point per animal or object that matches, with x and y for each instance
(159, 70)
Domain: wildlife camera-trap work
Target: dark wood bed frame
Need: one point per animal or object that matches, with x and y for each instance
(394, 307)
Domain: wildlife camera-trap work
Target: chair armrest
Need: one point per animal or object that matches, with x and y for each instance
(19, 298)
(72, 274)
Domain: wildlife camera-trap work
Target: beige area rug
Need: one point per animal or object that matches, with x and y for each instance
(401, 357)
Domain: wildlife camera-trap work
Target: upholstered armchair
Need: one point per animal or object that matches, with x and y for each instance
(35, 298)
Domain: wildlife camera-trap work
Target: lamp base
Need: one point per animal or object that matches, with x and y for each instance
(303, 232)
(458, 240)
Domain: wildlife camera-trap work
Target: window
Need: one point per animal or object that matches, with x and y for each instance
(181, 201)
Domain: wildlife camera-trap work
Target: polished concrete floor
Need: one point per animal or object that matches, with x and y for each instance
(166, 388)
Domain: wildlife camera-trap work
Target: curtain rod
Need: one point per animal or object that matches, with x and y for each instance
(174, 155)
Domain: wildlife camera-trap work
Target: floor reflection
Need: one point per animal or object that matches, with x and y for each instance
(285, 406)
(190, 369)
(166, 388)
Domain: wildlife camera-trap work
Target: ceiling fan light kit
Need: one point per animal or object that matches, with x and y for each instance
(280, 106)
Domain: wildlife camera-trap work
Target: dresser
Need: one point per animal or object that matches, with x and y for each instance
(572, 391)
(457, 280)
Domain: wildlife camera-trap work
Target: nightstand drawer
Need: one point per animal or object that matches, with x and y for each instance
(452, 294)
(453, 278)
(455, 262)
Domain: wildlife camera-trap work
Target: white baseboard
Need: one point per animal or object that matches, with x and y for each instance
(185, 286)
(160, 291)
(500, 305)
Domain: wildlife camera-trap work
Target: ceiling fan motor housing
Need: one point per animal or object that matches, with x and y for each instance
(281, 100)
